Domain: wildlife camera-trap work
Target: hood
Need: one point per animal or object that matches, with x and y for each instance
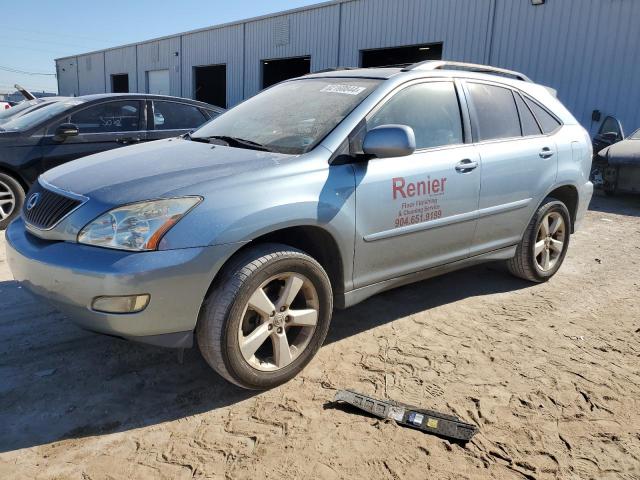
(623, 153)
(163, 168)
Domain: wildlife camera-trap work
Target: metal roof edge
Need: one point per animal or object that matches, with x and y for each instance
(314, 6)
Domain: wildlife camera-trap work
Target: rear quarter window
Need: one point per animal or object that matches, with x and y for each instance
(547, 122)
(176, 116)
(495, 111)
(527, 120)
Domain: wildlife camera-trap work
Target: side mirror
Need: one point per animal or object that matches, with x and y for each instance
(65, 131)
(388, 141)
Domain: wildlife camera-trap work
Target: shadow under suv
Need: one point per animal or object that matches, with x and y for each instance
(316, 193)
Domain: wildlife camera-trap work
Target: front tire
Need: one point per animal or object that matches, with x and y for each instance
(544, 244)
(266, 317)
(11, 199)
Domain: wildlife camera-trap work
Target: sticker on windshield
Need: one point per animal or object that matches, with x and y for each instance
(344, 89)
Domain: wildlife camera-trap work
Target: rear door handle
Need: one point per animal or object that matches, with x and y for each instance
(546, 153)
(466, 165)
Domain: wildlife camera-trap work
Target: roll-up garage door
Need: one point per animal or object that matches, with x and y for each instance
(158, 82)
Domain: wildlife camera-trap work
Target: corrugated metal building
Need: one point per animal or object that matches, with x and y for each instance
(585, 49)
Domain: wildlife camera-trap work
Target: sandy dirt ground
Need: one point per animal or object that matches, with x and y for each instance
(549, 373)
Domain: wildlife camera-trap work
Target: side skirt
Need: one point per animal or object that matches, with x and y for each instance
(353, 297)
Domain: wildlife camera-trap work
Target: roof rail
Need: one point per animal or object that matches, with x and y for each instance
(471, 67)
(331, 69)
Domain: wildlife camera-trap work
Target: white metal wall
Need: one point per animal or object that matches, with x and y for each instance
(160, 55)
(587, 49)
(215, 47)
(461, 24)
(121, 60)
(313, 32)
(67, 71)
(91, 73)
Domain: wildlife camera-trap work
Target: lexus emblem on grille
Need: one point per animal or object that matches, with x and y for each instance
(33, 201)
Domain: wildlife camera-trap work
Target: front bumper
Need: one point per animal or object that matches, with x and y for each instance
(71, 275)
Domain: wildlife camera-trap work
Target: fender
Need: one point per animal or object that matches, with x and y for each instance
(539, 201)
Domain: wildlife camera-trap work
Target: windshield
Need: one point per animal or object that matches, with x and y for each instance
(635, 135)
(10, 112)
(292, 117)
(40, 115)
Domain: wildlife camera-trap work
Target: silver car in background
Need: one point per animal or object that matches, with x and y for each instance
(318, 192)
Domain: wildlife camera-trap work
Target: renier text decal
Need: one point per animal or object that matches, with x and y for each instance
(422, 204)
(412, 189)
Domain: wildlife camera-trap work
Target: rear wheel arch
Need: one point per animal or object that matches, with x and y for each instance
(567, 194)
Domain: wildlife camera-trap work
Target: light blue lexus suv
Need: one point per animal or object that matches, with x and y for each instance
(317, 193)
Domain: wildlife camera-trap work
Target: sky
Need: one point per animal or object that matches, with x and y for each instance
(34, 33)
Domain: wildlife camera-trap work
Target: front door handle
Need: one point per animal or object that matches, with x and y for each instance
(546, 153)
(466, 165)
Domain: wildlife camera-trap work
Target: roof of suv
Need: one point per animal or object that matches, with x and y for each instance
(447, 69)
(428, 68)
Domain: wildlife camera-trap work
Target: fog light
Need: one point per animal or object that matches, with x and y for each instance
(121, 304)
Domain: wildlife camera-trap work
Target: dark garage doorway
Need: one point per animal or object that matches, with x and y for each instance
(120, 83)
(274, 71)
(382, 57)
(211, 84)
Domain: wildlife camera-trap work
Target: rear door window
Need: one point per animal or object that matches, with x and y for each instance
(495, 111)
(176, 116)
(430, 109)
(121, 116)
(527, 120)
(547, 122)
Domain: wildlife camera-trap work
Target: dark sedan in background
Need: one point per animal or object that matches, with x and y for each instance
(76, 127)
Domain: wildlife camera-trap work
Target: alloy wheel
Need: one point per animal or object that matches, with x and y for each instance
(550, 241)
(278, 321)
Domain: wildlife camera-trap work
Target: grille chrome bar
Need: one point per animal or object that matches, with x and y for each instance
(52, 206)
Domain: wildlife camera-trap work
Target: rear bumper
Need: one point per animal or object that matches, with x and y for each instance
(71, 275)
(584, 198)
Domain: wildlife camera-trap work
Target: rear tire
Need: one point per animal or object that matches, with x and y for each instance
(266, 317)
(11, 199)
(544, 244)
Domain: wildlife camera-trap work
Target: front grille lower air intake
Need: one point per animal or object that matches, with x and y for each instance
(44, 208)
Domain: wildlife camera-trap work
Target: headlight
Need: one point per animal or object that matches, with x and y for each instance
(139, 226)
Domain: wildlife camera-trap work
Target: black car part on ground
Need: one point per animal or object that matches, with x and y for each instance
(616, 168)
(428, 421)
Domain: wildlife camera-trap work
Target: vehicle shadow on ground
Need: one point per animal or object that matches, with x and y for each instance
(620, 204)
(59, 382)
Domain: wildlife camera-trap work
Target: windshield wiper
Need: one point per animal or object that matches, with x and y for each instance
(235, 142)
